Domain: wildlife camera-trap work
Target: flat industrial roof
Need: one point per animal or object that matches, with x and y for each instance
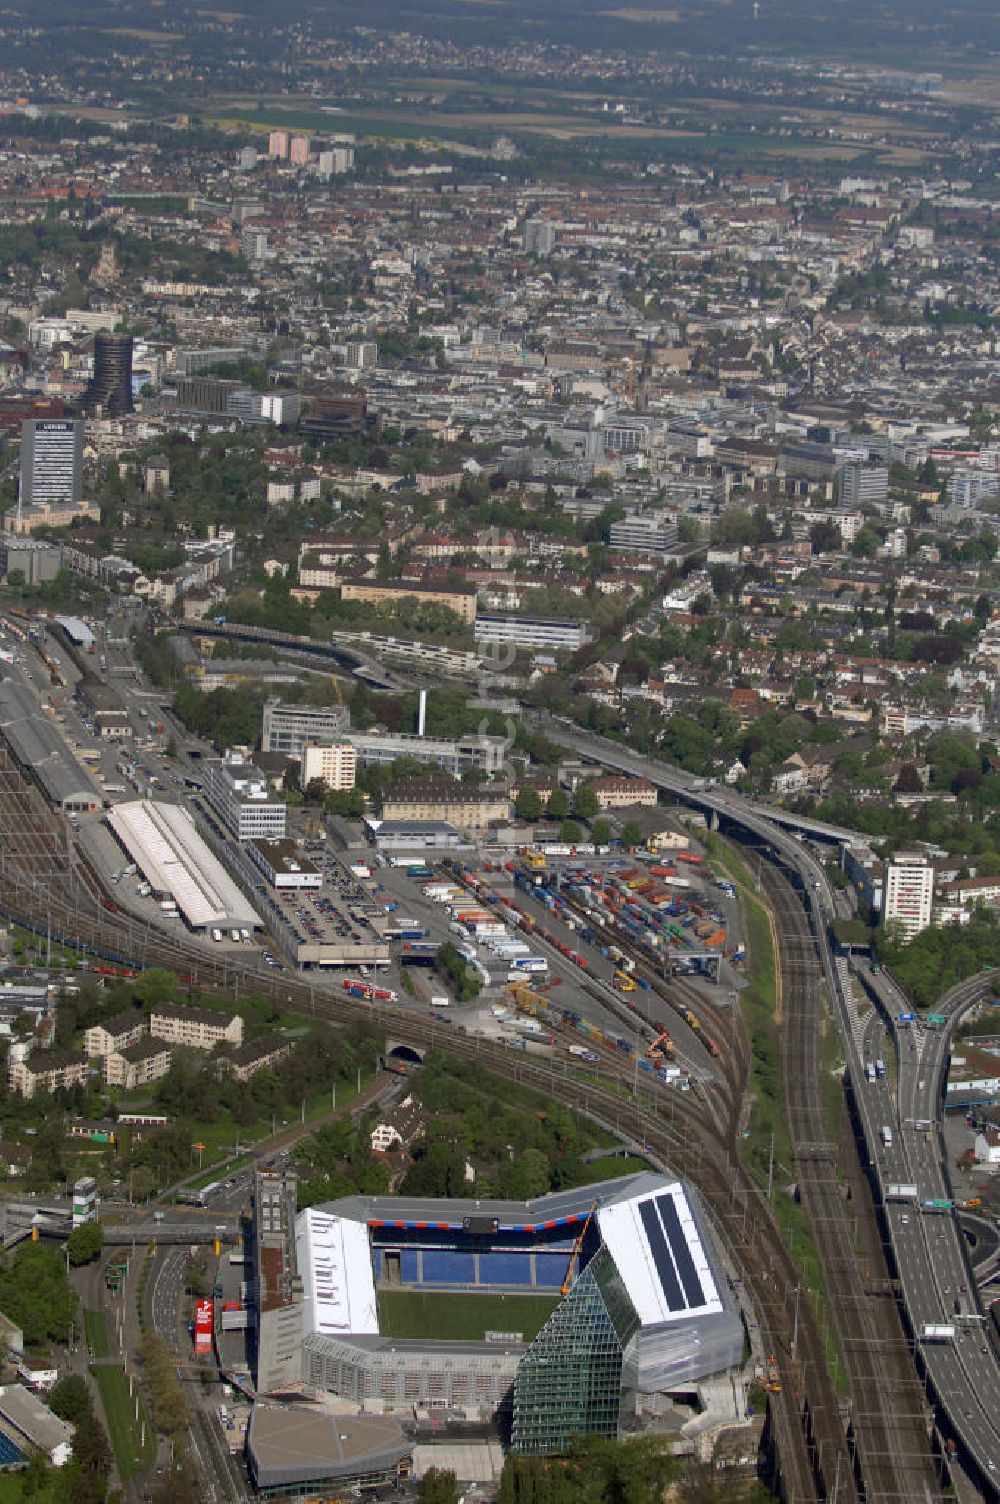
(294, 1443)
(163, 842)
(37, 744)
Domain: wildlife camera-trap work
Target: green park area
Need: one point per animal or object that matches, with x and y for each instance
(461, 1318)
(130, 1429)
(96, 1329)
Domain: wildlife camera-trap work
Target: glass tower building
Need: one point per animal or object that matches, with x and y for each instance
(569, 1382)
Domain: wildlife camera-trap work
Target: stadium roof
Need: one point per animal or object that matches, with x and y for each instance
(659, 1253)
(646, 1222)
(336, 1269)
(161, 839)
(527, 1216)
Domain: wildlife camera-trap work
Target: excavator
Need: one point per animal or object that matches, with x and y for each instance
(660, 1047)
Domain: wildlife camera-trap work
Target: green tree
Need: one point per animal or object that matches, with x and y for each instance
(557, 807)
(84, 1243)
(528, 804)
(632, 833)
(438, 1486)
(601, 832)
(585, 802)
(571, 833)
(70, 1399)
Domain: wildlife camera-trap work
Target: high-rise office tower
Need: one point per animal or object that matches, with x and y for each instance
(51, 462)
(111, 387)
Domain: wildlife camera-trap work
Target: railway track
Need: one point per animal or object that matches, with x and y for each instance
(57, 892)
(887, 1420)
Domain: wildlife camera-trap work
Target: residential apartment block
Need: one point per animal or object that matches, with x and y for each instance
(909, 893)
(199, 1028)
(114, 1034)
(391, 592)
(137, 1064)
(46, 1071)
(335, 765)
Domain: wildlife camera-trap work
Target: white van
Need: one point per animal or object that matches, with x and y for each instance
(217, 935)
(440, 1002)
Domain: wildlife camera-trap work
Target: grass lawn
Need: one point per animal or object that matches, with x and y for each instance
(613, 1166)
(461, 1318)
(125, 1432)
(96, 1328)
(12, 1492)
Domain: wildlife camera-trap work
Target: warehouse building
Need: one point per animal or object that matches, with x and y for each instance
(284, 865)
(41, 752)
(162, 841)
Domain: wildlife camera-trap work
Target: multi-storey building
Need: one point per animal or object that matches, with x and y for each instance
(532, 632)
(643, 534)
(287, 728)
(51, 463)
(909, 892)
(335, 765)
(391, 592)
(275, 1283)
(198, 1028)
(47, 1071)
(445, 799)
(114, 1035)
(483, 752)
(137, 1064)
(239, 794)
(110, 391)
(863, 482)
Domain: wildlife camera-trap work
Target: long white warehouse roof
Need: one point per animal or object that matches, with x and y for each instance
(162, 841)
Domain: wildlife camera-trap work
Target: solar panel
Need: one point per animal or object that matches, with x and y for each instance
(680, 1250)
(661, 1256)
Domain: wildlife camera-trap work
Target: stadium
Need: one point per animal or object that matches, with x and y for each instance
(573, 1314)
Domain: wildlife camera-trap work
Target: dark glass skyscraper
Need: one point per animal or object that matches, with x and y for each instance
(111, 387)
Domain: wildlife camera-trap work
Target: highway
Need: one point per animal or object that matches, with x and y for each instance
(927, 1248)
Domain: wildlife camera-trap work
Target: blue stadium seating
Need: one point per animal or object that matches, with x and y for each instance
(409, 1273)
(504, 1269)
(550, 1269)
(10, 1454)
(447, 1267)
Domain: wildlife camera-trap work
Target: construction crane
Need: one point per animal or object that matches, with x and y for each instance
(574, 1256)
